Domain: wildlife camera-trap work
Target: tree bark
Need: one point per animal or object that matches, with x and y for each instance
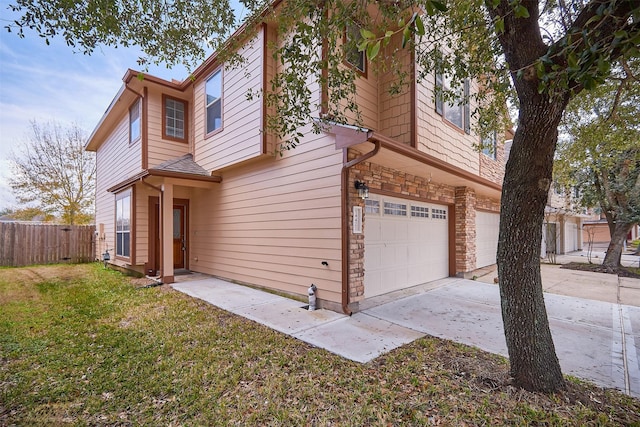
(614, 250)
(528, 175)
(534, 364)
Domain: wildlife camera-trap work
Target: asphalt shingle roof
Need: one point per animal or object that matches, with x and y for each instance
(184, 164)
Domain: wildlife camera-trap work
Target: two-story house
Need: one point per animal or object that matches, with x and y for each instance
(187, 179)
(562, 229)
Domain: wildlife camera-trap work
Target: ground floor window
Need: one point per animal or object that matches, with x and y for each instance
(123, 224)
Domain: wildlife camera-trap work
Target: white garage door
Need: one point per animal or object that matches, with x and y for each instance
(406, 244)
(487, 230)
(570, 237)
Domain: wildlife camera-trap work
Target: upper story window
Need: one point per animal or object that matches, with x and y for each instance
(557, 188)
(456, 111)
(123, 224)
(490, 146)
(354, 57)
(174, 119)
(135, 123)
(213, 101)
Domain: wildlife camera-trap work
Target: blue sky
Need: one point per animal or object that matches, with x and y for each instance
(50, 82)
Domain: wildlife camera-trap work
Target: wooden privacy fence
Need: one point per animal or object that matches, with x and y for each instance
(27, 244)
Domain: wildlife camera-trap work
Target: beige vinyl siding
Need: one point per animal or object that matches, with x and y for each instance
(142, 222)
(240, 137)
(159, 149)
(366, 97)
(272, 223)
(437, 137)
(115, 161)
(396, 110)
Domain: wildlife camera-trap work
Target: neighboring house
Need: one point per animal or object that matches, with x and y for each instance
(595, 229)
(187, 179)
(562, 228)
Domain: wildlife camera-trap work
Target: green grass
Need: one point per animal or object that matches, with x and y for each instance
(79, 345)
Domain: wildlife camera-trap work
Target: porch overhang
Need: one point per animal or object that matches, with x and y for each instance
(181, 178)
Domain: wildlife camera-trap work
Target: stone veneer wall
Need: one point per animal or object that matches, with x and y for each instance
(384, 180)
(356, 244)
(484, 203)
(465, 226)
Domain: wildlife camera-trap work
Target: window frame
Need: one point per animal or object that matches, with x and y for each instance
(395, 208)
(362, 57)
(443, 84)
(165, 119)
(208, 132)
(135, 107)
(372, 207)
(492, 151)
(123, 251)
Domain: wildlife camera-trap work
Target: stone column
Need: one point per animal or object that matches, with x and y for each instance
(465, 226)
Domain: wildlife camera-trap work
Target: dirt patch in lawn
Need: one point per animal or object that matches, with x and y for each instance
(144, 282)
(597, 268)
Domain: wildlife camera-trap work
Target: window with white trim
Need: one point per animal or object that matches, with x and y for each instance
(135, 123)
(213, 88)
(395, 209)
(490, 145)
(123, 224)
(419, 212)
(175, 118)
(456, 111)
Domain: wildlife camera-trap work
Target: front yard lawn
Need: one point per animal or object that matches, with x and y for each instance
(80, 345)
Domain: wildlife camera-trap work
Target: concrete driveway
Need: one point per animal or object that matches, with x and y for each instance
(594, 319)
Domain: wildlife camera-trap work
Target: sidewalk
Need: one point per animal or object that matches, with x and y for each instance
(596, 340)
(584, 284)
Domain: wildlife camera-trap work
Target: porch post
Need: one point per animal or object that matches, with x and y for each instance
(167, 233)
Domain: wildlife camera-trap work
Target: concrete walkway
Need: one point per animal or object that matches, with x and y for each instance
(597, 336)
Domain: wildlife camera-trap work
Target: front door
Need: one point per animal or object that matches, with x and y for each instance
(179, 238)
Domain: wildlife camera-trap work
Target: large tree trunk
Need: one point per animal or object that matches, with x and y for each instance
(534, 364)
(614, 251)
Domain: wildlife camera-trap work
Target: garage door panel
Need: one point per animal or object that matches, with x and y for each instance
(571, 237)
(388, 256)
(415, 253)
(402, 230)
(487, 232)
(374, 254)
(406, 246)
(374, 232)
(374, 282)
(393, 278)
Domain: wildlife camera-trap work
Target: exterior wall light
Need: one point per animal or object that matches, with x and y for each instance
(363, 189)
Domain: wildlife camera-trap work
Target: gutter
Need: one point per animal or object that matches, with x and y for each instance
(345, 215)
